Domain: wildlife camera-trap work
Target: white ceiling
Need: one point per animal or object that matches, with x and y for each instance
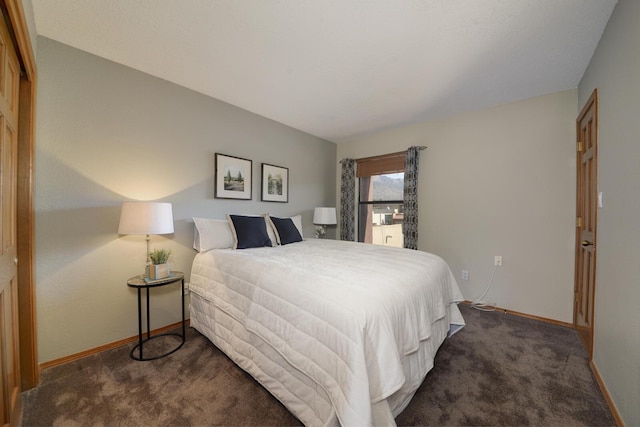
(341, 68)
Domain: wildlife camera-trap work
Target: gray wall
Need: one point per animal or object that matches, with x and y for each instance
(615, 71)
(107, 134)
(499, 181)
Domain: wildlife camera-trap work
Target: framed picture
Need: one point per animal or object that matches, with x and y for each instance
(233, 177)
(275, 183)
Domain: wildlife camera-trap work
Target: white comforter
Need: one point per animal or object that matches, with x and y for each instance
(343, 313)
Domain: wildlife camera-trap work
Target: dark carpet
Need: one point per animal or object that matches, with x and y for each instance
(499, 370)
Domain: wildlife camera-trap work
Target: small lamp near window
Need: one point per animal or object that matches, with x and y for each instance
(146, 218)
(323, 217)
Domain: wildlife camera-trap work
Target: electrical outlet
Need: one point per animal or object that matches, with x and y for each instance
(465, 275)
(498, 261)
(185, 290)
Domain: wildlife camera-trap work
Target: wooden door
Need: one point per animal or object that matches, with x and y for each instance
(9, 343)
(586, 221)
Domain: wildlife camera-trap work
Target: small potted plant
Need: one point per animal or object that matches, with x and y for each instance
(159, 269)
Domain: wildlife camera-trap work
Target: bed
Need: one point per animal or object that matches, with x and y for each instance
(342, 333)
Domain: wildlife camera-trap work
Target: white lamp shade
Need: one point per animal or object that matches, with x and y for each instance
(146, 218)
(324, 216)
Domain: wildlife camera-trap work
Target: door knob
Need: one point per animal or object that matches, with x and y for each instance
(586, 243)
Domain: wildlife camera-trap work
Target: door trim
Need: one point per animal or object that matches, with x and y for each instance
(29, 370)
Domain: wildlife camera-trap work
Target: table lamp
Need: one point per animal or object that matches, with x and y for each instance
(146, 218)
(323, 217)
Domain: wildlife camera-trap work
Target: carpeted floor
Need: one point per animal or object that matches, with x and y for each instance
(499, 370)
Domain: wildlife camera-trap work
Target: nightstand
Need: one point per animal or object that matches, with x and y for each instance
(140, 283)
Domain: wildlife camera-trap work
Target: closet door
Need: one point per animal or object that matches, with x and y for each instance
(9, 343)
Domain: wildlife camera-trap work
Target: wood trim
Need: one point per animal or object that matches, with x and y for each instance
(29, 370)
(24, 49)
(529, 316)
(105, 347)
(607, 396)
(17, 420)
(382, 156)
(377, 165)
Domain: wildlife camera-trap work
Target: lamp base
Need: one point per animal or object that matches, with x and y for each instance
(147, 266)
(321, 230)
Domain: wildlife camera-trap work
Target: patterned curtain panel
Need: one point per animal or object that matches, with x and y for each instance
(410, 223)
(348, 200)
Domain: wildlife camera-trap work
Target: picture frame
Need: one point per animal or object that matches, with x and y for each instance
(275, 183)
(232, 177)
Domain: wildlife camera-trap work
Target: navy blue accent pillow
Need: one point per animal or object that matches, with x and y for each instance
(286, 229)
(249, 231)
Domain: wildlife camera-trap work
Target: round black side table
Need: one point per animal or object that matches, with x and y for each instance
(140, 283)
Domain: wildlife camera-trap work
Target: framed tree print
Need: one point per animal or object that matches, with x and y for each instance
(233, 177)
(275, 183)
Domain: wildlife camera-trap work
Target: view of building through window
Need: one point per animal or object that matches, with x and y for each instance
(381, 211)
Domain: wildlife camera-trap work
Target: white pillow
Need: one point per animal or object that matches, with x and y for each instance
(212, 234)
(216, 234)
(297, 221)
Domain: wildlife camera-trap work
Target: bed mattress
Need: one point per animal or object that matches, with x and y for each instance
(339, 332)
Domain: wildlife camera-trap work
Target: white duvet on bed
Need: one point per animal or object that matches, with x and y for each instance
(363, 322)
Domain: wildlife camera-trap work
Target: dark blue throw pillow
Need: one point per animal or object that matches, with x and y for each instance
(286, 230)
(249, 231)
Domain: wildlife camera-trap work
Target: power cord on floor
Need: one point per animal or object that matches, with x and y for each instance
(479, 303)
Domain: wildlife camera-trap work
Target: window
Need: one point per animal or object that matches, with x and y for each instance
(380, 207)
